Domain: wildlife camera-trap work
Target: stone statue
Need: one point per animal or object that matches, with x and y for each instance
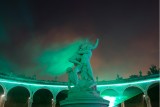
(84, 93)
(76, 60)
(86, 53)
(81, 61)
(72, 77)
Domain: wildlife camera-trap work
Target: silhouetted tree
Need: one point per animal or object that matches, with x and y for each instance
(140, 73)
(153, 70)
(118, 77)
(133, 76)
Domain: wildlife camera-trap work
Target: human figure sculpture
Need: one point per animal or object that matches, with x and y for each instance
(72, 77)
(81, 61)
(86, 53)
(76, 60)
(84, 93)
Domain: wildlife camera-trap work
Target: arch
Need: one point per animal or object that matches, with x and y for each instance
(4, 88)
(59, 92)
(2, 96)
(18, 87)
(24, 86)
(2, 91)
(109, 89)
(133, 87)
(62, 92)
(42, 89)
(112, 95)
(61, 96)
(17, 95)
(136, 86)
(114, 92)
(133, 96)
(149, 85)
(42, 96)
(153, 93)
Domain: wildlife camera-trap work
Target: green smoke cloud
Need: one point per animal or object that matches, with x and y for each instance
(54, 60)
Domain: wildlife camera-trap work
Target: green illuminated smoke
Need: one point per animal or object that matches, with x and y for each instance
(54, 60)
(6, 66)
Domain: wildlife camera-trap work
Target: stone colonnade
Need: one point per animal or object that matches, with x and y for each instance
(3, 99)
(55, 89)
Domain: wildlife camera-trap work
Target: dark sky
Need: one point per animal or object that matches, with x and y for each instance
(36, 35)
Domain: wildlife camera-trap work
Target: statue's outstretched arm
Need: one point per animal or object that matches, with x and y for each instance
(96, 44)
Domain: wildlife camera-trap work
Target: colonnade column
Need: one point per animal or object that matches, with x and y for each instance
(30, 101)
(3, 99)
(148, 101)
(122, 104)
(53, 103)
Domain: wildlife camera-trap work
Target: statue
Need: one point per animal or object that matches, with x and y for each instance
(81, 61)
(76, 60)
(84, 93)
(86, 52)
(72, 77)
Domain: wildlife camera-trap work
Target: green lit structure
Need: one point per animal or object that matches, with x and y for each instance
(143, 83)
(84, 93)
(109, 90)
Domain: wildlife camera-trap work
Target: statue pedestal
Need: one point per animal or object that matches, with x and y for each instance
(84, 99)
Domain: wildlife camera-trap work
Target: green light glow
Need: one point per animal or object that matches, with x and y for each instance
(115, 100)
(39, 85)
(131, 83)
(54, 60)
(111, 96)
(52, 85)
(111, 100)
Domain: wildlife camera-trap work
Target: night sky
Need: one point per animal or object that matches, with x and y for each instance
(37, 37)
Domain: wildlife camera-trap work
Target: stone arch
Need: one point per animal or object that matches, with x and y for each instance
(112, 95)
(61, 95)
(147, 87)
(17, 95)
(20, 86)
(134, 97)
(153, 93)
(4, 89)
(42, 96)
(43, 88)
(109, 89)
(60, 91)
(136, 86)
